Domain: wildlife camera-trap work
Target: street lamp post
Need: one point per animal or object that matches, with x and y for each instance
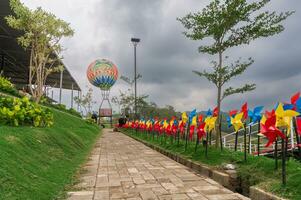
(135, 42)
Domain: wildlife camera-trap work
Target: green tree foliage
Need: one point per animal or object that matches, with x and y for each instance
(230, 23)
(85, 101)
(42, 33)
(146, 109)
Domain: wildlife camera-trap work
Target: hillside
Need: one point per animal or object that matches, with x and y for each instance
(37, 163)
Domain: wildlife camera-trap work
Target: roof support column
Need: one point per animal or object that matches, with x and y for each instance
(61, 85)
(72, 96)
(78, 101)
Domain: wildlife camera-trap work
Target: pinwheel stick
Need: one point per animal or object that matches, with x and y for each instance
(236, 138)
(249, 142)
(276, 153)
(258, 140)
(178, 135)
(245, 142)
(187, 133)
(297, 136)
(206, 150)
(284, 149)
(196, 143)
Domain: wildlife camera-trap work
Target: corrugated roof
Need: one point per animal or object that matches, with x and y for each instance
(15, 60)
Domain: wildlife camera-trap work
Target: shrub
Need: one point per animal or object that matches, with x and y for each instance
(7, 87)
(63, 108)
(15, 111)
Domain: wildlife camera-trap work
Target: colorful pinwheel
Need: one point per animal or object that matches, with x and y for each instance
(284, 117)
(210, 123)
(201, 130)
(244, 110)
(270, 131)
(232, 113)
(184, 118)
(193, 124)
(236, 121)
(255, 115)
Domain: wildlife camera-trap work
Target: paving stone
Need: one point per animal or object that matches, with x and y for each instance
(122, 168)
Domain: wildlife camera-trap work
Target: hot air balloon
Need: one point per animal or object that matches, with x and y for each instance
(102, 73)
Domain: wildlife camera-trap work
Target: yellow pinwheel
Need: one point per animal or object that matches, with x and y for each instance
(237, 122)
(210, 123)
(193, 121)
(165, 124)
(284, 117)
(184, 117)
(148, 124)
(263, 119)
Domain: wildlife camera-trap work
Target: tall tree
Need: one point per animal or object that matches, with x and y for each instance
(85, 101)
(43, 32)
(230, 23)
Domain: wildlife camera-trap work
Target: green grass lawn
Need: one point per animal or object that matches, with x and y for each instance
(256, 171)
(38, 163)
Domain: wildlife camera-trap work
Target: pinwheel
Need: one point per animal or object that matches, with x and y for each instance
(236, 121)
(192, 127)
(201, 130)
(209, 112)
(298, 126)
(192, 114)
(232, 113)
(181, 127)
(284, 117)
(200, 119)
(210, 123)
(270, 131)
(200, 133)
(215, 112)
(184, 117)
(244, 110)
(255, 115)
(174, 128)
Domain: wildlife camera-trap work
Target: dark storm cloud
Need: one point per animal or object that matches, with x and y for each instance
(166, 58)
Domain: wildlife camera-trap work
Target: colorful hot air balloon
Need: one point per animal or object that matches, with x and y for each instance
(102, 73)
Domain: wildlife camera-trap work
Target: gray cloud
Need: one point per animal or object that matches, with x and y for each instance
(166, 58)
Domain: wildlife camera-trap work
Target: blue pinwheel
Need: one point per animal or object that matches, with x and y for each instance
(192, 114)
(255, 115)
(209, 112)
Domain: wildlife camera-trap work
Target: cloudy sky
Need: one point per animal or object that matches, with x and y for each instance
(166, 58)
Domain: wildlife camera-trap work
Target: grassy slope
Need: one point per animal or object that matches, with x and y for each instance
(37, 163)
(256, 171)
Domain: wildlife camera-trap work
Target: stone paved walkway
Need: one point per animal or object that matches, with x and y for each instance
(122, 168)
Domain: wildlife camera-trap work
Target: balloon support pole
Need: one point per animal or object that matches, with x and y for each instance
(105, 97)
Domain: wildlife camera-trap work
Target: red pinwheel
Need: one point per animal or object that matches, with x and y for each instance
(244, 109)
(270, 131)
(215, 112)
(298, 123)
(233, 112)
(201, 130)
(181, 127)
(191, 131)
(270, 114)
(295, 98)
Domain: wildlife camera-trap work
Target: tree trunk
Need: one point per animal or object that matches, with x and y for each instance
(219, 96)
